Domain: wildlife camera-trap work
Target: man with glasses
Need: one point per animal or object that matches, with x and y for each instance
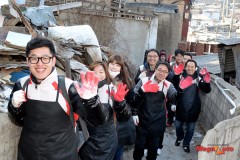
(148, 68)
(37, 103)
(149, 103)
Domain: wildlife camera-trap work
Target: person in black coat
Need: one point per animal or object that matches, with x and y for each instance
(125, 128)
(38, 105)
(149, 110)
(188, 105)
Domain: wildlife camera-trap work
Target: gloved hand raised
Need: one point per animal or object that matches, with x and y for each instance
(89, 85)
(18, 98)
(120, 93)
(148, 87)
(205, 74)
(186, 82)
(136, 120)
(178, 69)
(173, 108)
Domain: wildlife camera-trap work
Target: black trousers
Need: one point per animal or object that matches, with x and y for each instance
(150, 142)
(170, 114)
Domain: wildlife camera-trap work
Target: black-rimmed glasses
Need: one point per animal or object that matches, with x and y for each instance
(35, 60)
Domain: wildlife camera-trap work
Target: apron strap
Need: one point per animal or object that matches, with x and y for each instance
(58, 91)
(163, 85)
(61, 82)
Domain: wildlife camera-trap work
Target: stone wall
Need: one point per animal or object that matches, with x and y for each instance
(169, 31)
(216, 112)
(224, 139)
(215, 106)
(9, 136)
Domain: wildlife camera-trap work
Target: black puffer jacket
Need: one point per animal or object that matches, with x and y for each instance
(188, 100)
(96, 115)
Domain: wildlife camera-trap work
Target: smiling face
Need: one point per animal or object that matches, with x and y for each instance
(114, 67)
(40, 70)
(179, 58)
(152, 58)
(100, 72)
(161, 72)
(186, 58)
(190, 68)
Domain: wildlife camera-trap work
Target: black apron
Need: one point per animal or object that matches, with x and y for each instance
(152, 115)
(47, 132)
(102, 141)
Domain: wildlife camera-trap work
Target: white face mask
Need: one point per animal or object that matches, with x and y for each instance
(113, 74)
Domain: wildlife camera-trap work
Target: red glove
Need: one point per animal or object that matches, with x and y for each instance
(147, 87)
(186, 82)
(206, 76)
(178, 69)
(121, 92)
(89, 85)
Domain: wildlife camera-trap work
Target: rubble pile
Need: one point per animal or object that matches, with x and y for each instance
(77, 46)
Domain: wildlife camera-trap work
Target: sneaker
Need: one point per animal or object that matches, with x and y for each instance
(168, 124)
(177, 142)
(159, 151)
(186, 149)
(145, 152)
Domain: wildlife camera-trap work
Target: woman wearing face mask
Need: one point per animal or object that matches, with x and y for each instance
(102, 142)
(126, 129)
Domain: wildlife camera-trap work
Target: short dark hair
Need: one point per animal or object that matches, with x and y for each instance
(190, 60)
(188, 54)
(163, 63)
(152, 50)
(101, 63)
(179, 51)
(38, 43)
(163, 51)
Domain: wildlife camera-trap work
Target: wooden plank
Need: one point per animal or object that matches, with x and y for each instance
(5, 29)
(11, 22)
(17, 40)
(68, 68)
(1, 20)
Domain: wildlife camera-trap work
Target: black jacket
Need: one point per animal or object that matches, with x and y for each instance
(188, 100)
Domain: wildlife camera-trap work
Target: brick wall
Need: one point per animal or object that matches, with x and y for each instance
(199, 49)
(182, 46)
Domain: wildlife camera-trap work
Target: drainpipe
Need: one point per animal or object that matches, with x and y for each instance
(186, 17)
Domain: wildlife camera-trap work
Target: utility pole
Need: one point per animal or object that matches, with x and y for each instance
(232, 17)
(223, 10)
(227, 7)
(186, 19)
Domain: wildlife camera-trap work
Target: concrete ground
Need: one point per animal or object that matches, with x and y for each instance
(172, 152)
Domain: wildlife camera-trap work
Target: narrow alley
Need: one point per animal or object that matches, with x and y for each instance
(172, 152)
